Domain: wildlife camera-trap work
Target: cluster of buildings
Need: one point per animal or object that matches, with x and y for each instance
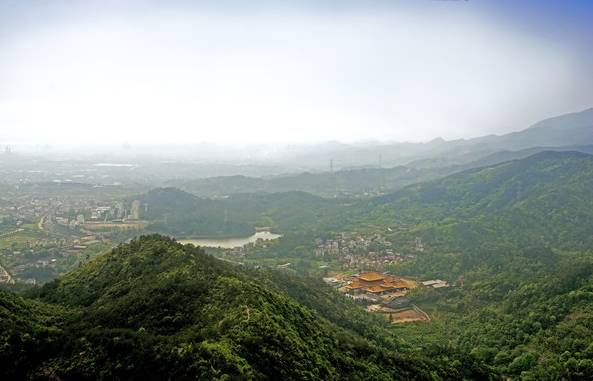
(33, 260)
(17, 211)
(384, 294)
(237, 252)
(114, 212)
(118, 212)
(47, 234)
(374, 287)
(66, 212)
(357, 252)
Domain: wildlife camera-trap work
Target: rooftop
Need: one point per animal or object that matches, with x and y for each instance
(371, 276)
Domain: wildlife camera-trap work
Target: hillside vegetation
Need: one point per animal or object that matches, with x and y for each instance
(175, 212)
(155, 309)
(515, 239)
(544, 199)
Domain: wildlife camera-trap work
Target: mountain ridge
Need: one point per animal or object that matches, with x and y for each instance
(155, 309)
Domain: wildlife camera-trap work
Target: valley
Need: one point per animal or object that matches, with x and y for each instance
(296, 190)
(489, 265)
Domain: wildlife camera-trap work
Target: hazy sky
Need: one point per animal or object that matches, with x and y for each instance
(227, 72)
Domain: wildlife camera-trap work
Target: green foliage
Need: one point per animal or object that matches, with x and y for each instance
(155, 309)
(543, 200)
(516, 239)
(182, 214)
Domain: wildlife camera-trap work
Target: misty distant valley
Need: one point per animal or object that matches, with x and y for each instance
(437, 258)
(296, 191)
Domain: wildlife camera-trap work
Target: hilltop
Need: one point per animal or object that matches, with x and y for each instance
(519, 202)
(155, 309)
(516, 203)
(366, 170)
(173, 211)
(344, 183)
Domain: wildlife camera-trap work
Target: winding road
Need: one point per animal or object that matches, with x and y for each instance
(9, 277)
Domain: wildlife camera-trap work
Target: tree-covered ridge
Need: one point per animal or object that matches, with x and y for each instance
(155, 309)
(529, 317)
(516, 239)
(173, 211)
(350, 182)
(27, 330)
(541, 200)
(537, 193)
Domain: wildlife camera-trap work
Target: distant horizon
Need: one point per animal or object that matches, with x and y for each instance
(129, 146)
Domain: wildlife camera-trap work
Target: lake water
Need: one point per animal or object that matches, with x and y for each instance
(229, 243)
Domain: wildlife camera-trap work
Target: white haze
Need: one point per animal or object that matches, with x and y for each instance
(173, 76)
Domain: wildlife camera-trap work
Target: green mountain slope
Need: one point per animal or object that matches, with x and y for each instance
(154, 309)
(544, 199)
(528, 315)
(27, 330)
(173, 211)
(515, 239)
(564, 130)
(572, 129)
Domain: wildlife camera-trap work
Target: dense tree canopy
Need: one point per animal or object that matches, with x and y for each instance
(155, 309)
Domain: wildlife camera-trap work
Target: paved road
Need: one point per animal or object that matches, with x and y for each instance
(3, 270)
(418, 309)
(41, 221)
(11, 233)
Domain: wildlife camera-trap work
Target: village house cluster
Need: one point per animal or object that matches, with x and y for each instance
(357, 252)
(15, 212)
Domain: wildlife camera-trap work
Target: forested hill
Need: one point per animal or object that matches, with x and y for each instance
(176, 212)
(516, 240)
(155, 309)
(544, 199)
(360, 182)
(518, 202)
(173, 211)
(563, 130)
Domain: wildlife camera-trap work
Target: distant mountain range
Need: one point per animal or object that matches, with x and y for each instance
(570, 130)
(574, 129)
(539, 193)
(155, 309)
(544, 199)
(436, 159)
(345, 183)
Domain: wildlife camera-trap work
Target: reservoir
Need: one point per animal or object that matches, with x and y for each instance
(229, 243)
